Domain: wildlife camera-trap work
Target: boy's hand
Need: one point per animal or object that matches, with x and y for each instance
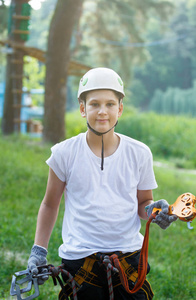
(38, 258)
(162, 219)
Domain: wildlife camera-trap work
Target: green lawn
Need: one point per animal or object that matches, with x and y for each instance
(23, 176)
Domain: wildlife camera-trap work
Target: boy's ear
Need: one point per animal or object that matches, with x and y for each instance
(120, 110)
(82, 109)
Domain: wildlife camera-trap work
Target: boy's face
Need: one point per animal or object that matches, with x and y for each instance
(102, 109)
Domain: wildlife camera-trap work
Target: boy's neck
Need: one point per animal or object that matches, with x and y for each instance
(110, 139)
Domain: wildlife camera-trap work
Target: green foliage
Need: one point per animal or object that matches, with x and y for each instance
(34, 78)
(23, 176)
(138, 93)
(171, 60)
(24, 24)
(167, 136)
(109, 40)
(74, 124)
(175, 101)
(34, 73)
(39, 34)
(172, 275)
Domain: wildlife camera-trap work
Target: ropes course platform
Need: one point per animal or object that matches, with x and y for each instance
(75, 68)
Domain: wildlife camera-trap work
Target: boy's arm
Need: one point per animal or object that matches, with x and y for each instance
(45, 222)
(145, 197)
(49, 208)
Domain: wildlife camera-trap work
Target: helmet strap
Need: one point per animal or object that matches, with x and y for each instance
(102, 143)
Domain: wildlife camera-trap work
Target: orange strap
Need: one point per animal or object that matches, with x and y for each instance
(143, 263)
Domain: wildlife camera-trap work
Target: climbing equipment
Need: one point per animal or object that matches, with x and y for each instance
(183, 207)
(99, 79)
(86, 274)
(142, 267)
(32, 280)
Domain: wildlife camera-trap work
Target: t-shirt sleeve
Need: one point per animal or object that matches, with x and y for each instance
(147, 177)
(56, 163)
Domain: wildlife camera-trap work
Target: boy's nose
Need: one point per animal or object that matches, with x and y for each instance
(102, 109)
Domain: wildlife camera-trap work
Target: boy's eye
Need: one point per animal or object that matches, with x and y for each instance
(110, 104)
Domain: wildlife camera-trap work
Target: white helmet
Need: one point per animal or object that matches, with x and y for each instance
(101, 78)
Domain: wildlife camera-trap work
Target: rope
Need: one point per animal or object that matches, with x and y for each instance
(112, 264)
(73, 284)
(110, 268)
(55, 271)
(142, 267)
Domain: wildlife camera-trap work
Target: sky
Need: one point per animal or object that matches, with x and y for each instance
(35, 4)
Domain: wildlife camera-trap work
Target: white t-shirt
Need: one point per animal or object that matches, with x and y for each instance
(101, 207)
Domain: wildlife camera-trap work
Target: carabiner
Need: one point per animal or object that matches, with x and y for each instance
(29, 279)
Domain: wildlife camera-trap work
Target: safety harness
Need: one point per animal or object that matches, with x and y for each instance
(184, 208)
(115, 264)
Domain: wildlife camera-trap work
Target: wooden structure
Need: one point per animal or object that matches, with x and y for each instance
(15, 44)
(75, 68)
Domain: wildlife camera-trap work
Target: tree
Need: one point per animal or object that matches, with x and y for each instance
(111, 32)
(57, 60)
(172, 62)
(117, 21)
(17, 33)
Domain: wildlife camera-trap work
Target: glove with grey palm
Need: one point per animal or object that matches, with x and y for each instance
(162, 219)
(38, 258)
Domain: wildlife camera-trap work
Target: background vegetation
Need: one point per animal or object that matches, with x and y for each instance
(155, 39)
(152, 44)
(23, 176)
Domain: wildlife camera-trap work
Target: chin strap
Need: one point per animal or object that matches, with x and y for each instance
(102, 153)
(102, 146)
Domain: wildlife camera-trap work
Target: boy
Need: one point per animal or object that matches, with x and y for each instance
(107, 179)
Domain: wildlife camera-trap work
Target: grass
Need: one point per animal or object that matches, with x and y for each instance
(23, 176)
(173, 274)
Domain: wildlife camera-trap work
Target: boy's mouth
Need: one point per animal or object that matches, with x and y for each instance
(102, 120)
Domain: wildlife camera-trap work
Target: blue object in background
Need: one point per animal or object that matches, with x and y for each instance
(2, 91)
(27, 113)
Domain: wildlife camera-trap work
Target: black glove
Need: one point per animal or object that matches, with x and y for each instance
(162, 219)
(38, 258)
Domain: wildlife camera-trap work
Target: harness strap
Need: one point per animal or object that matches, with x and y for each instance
(85, 274)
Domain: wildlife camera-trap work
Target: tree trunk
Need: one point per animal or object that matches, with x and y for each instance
(8, 112)
(14, 75)
(57, 61)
